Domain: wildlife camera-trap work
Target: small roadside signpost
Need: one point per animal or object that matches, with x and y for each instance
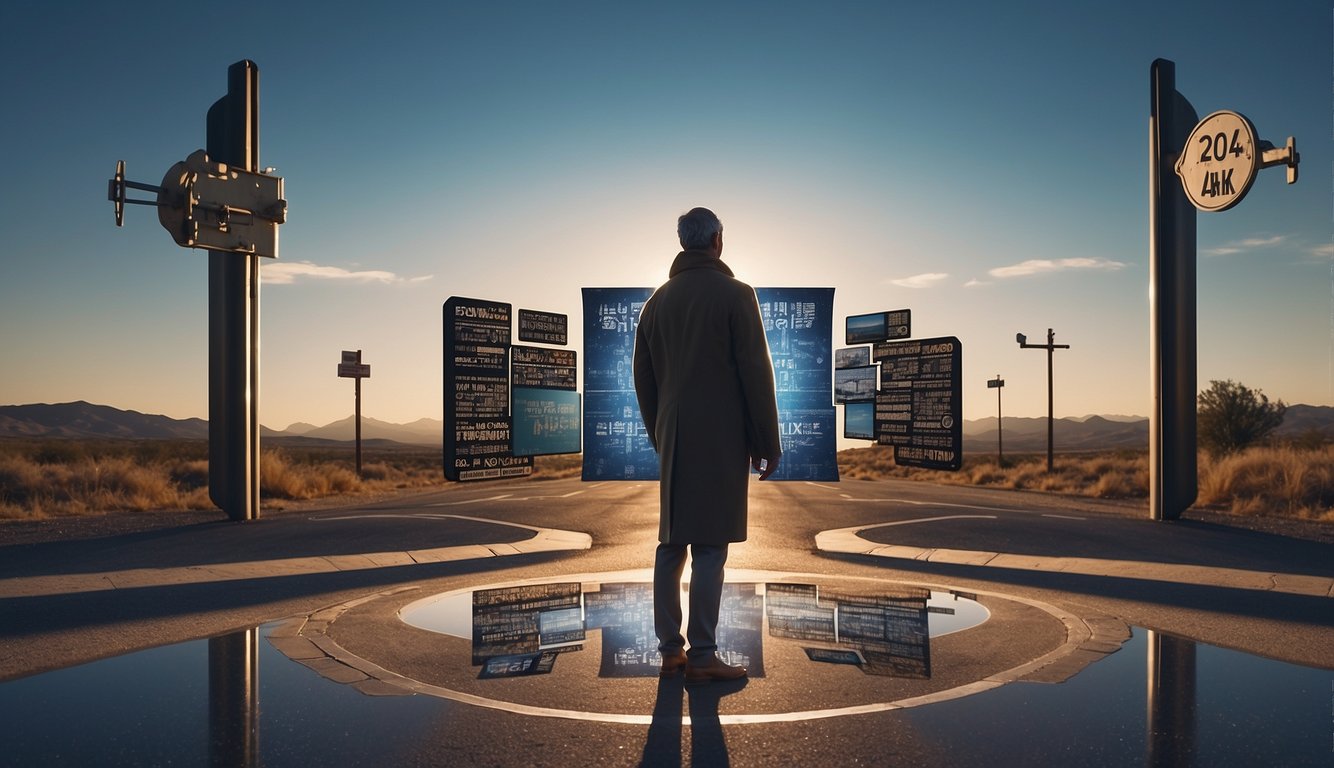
(351, 367)
(996, 384)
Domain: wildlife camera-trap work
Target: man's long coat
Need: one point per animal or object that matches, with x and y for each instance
(705, 385)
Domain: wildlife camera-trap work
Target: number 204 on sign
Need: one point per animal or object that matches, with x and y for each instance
(1218, 163)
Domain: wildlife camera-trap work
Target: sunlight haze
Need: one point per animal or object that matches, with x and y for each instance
(982, 164)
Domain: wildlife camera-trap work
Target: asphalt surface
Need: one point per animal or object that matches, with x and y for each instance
(1063, 579)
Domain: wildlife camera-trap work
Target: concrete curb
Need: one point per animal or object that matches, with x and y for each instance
(847, 541)
(544, 540)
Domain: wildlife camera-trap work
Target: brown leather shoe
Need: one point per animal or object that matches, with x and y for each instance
(672, 663)
(714, 670)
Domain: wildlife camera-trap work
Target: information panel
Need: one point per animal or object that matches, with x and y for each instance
(477, 440)
(852, 357)
(545, 406)
(543, 327)
(616, 444)
(852, 384)
(798, 324)
(919, 409)
(879, 326)
(859, 420)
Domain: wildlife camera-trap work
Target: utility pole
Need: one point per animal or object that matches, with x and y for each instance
(1051, 347)
(996, 384)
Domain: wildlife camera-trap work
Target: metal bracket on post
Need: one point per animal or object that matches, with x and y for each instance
(211, 205)
(1271, 156)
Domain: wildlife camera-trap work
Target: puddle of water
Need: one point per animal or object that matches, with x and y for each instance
(236, 701)
(1208, 706)
(521, 630)
(228, 701)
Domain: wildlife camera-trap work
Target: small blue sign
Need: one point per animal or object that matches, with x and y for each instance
(546, 421)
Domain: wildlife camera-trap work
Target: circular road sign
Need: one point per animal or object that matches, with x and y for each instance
(1218, 163)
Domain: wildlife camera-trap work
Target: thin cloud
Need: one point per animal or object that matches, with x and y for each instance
(1325, 251)
(1247, 244)
(288, 272)
(1043, 266)
(975, 282)
(924, 280)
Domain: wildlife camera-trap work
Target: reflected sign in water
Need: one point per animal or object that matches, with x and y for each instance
(153, 707)
(519, 630)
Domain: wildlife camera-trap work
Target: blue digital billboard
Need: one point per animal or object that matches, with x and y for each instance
(616, 444)
(798, 324)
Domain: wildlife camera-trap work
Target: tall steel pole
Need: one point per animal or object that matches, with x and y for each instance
(1051, 400)
(233, 310)
(358, 407)
(1173, 472)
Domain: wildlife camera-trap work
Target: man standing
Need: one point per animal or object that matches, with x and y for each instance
(705, 384)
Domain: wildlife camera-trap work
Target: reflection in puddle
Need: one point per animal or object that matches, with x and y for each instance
(234, 700)
(518, 631)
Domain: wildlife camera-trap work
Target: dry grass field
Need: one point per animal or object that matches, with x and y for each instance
(58, 477)
(1285, 480)
(50, 478)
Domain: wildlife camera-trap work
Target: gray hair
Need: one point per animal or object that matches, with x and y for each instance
(697, 227)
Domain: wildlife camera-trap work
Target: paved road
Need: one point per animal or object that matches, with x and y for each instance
(1047, 568)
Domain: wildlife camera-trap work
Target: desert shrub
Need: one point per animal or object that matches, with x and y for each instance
(190, 475)
(377, 471)
(19, 478)
(1232, 416)
(60, 452)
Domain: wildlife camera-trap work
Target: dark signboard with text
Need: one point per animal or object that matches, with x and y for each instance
(919, 409)
(477, 441)
(543, 327)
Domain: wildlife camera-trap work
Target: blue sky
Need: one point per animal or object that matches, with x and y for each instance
(982, 164)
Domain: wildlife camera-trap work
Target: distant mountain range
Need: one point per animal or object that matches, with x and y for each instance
(1087, 433)
(87, 420)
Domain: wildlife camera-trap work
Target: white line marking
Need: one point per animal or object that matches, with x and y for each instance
(469, 501)
(929, 520)
(1066, 517)
(826, 487)
(916, 503)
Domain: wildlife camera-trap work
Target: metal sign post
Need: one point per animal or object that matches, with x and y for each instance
(351, 367)
(218, 199)
(233, 316)
(996, 384)
(1194, 164)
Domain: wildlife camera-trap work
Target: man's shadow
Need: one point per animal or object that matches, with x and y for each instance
(708, 747)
